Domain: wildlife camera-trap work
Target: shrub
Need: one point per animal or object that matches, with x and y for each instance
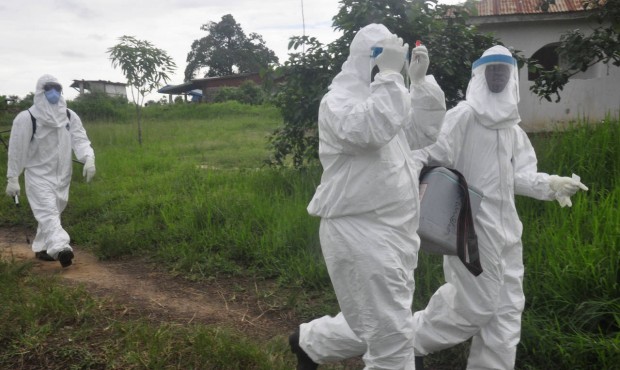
(247, 93)
(98, 106)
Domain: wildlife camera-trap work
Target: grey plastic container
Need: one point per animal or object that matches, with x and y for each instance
(440, 204)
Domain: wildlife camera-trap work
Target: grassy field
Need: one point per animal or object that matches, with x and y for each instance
(196, 198)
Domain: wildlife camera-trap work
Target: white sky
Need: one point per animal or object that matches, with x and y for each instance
(69, 39)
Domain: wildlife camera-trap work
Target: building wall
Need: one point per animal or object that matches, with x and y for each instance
(110, 89)
(592, 98)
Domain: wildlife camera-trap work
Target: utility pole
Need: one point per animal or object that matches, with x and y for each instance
(303, 21)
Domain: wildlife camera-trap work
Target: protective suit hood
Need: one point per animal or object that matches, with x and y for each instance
(51, 115)
(356, 71)
(494, 110)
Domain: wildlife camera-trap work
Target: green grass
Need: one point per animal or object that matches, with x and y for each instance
(46, 325)
(572, 255)
(196, 197)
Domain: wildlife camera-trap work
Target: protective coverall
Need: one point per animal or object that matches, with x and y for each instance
(481, 139)
(368, 200)
(46, 161)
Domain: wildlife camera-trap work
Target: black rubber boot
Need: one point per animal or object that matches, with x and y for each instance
(419, 363)
(43, 256)
(304, 362)
(65, 258)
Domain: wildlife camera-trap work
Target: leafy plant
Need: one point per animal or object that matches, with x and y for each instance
(99, 106)
(144, 66)
(247, 93)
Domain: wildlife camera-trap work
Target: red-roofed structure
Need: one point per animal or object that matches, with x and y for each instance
(512, 7)
(526, 27)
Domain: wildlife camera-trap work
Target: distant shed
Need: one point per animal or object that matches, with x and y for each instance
(209, 86)
(108, 87)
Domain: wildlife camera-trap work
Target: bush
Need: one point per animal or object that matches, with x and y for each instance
(11, 105)
(247, 93)
(98, 106)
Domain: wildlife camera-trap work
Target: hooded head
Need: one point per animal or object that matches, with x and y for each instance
(47, 113)
(356, 71)
(493, 91)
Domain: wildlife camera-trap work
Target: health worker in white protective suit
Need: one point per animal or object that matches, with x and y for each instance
(481, 139)
(368, 202)
(41, 141)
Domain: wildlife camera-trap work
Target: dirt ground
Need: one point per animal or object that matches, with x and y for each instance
(146, 289)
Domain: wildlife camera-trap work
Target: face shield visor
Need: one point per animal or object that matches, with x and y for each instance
(498, 71)
(493, 90)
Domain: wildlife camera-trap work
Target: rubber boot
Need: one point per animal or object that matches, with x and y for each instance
(65, 258)
(304, 362)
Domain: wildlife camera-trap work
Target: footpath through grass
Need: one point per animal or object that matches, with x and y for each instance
(196, 198)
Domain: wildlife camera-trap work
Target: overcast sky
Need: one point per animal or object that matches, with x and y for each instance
(69, 38)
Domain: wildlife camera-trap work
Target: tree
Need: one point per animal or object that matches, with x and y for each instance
(145, 68)
(307, 76)
(453, 46)
(227, 50)
(578, 50)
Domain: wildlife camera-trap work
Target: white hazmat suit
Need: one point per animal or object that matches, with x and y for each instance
(481, 139)
(368, 200)
(46, 161)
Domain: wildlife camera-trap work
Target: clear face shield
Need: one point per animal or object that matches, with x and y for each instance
(497, 76)
(499, 69)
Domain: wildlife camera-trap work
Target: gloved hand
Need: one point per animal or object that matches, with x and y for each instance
(565, 187)
(392, 58)
(89, 169)
(12, 187)
(418, 66)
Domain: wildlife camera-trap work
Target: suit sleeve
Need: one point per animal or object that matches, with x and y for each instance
(528, 181)
(19, 143)
(79, 140)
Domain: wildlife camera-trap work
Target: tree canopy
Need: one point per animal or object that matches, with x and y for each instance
(453, 46)
(227, 50)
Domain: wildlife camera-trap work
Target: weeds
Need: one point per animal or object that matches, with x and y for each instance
(196, 198)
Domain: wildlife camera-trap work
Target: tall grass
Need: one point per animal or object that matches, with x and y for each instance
(196, 197)
(572, 255)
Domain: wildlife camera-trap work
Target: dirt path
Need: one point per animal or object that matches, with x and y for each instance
(148, 290)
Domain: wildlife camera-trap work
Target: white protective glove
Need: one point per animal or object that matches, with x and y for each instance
(565, 187)
(418, 66)
(89, 169)
(12, 187)
(393, 56)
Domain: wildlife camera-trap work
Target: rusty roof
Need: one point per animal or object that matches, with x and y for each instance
(513, 7)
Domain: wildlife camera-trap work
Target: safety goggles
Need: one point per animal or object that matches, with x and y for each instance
(376, 50)
(52, 85)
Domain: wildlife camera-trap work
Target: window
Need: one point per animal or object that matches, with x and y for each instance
(548, 57)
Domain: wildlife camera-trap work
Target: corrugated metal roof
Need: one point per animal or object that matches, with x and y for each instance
(513, 7)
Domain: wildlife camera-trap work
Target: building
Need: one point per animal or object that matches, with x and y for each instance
(523, 25)
(209, 86)
(110, 88)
